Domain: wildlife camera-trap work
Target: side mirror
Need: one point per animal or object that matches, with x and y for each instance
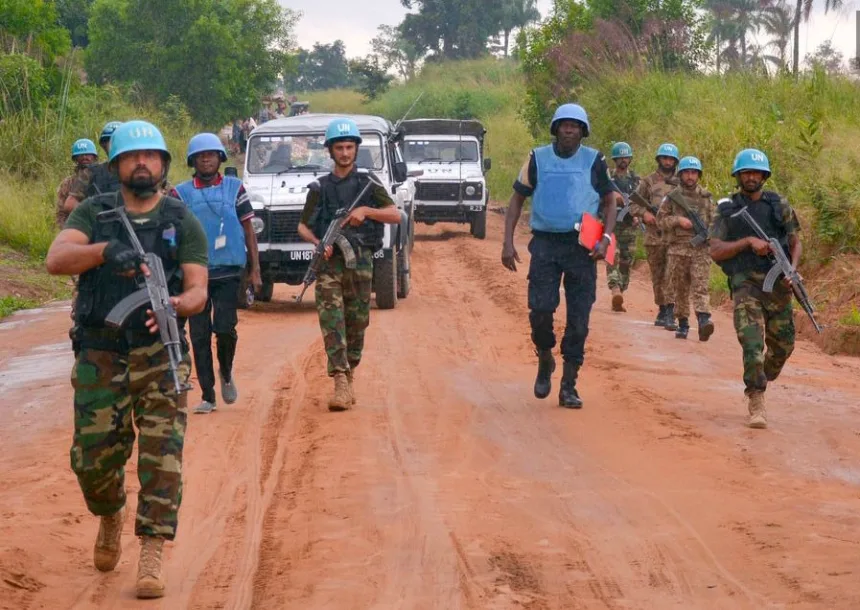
(231, 171)
(488, 163)
(414, 173)
(400, 172)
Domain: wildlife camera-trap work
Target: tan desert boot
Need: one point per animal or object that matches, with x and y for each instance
(150, 582)
(758, 414)
(108, 547)
(342, 398)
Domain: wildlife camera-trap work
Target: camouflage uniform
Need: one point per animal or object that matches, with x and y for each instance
(343, 303)
(112, 390)
(654, 188)
(618, 276)
(761, 320)
(74, 186)
(688, 268)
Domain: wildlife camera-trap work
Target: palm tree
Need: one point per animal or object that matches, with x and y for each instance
(778, 22)
(803, 11)
(517, 14)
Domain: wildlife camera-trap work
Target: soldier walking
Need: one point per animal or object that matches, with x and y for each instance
(565, 180)
(652, 189)
(121, 378)
(689, 262)
(84, 154)
(344, 285)
(618, 275)
(222, 206)
(762, 320)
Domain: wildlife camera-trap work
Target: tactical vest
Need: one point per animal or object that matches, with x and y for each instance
(103, 180)
(100, 288)
(337, 194)
(767, 213)
(564, 191)
(626, 184)
(215, 208)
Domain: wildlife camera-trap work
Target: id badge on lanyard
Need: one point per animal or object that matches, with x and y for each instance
(221, 240)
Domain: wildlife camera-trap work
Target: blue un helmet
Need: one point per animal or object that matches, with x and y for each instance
(690, 163)
(137, 135)
(667, 149)
(621, 150)
(570, 112)
(107, 130)
(83, 147)
(751, 159)
(342, 129)
(204, 142)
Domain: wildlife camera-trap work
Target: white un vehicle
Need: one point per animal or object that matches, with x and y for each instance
(283, 157)
(453, 187)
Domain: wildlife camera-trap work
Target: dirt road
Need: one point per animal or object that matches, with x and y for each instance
(451, 486)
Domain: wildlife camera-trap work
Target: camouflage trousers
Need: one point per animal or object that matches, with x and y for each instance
(114, 392)
(343, 304)
(657, 258)
(618, 275)
(763, 320)
(688, 273)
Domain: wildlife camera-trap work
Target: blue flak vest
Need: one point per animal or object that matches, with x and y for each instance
(564, 191)
(215, 208)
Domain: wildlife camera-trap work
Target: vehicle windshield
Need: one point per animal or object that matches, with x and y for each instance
(274, 154)
(453, 151)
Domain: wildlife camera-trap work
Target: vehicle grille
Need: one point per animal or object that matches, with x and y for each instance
(438, 191)
(282, 227)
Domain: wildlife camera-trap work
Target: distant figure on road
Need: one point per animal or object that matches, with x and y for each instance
(121, 377)
(344, 286)
(618, 275)
(653, 188)
(222, 206)
(84, 154)
(565, 180)
(761, 319)
(688, 267)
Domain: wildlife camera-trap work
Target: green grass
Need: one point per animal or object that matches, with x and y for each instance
(718, 285)
(11, 304)
(852, 318)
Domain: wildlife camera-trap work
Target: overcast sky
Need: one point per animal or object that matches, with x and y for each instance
(355, 22)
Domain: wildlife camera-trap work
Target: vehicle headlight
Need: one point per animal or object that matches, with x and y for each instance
(257, 224)
(470, 190)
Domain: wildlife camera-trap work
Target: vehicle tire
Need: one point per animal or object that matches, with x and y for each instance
(404, 277)
(385, 281)
(478, 224)
(265, 294)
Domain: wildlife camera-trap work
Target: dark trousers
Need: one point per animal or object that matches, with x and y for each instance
(219, 317)
(557, 257)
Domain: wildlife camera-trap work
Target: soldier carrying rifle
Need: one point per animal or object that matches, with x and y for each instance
(763, 314)
(127, 377)
(345, 277)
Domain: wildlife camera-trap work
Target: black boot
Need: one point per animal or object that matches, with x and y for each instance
(670, 317)
(546, 366)
(567, 395)
(661, 317)
(683, 328)
(706, 327)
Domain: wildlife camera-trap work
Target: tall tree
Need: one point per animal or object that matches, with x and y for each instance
(778, 22)
(395, 51)
(451, 29)
(802, 11)
(216, 57)
(323, 67)
(30, 27)
(74, 15)
(516, 14)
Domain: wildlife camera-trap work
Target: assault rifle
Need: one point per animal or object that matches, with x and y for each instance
(782, 266)
(701, 236)
(334, 236)
(638, 199)
(625, 212)
(154, 293)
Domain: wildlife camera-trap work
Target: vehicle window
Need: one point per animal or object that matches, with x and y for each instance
(272, 154)
(418, 151)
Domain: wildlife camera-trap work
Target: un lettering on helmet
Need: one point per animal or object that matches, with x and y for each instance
(141, 132)
(756, 156)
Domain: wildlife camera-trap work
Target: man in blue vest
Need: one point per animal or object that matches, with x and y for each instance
(565, 180)
(222, 206)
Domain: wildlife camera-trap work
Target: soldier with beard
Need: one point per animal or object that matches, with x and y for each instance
(618, 275)
(121, 377)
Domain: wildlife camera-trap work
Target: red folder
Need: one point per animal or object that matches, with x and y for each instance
(590, 232)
